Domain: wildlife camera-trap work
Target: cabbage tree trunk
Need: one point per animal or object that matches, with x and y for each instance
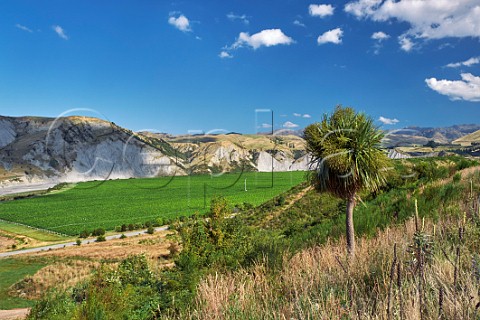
(350, 227)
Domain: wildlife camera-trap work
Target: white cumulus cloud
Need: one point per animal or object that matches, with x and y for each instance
(264, 38)
(320, 10)
(427, 19)
(406, 43)
(388, 120)
(60, 32)
(24, 28)
(380, 36)
(466, 89)
(225, 54)
(466, 63)
(290, 125)
(332, 36)
(297, 114)
(307, 116)
(181, 23)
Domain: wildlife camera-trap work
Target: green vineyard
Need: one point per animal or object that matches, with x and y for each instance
(107, 204)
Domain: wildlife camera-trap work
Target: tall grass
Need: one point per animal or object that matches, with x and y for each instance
(426, 267)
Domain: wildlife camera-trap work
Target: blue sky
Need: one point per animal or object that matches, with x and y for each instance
(176, 66)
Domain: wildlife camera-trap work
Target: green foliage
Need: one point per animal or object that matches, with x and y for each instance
(129, 292)
(91, 205)
(79, 242)
(98, 232)
(100, 239)
(12, 271)
(84, 234)
(151, 230)
(346, 153)
(223, 243)
(457, 177)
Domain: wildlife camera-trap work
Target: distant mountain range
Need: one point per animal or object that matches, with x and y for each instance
(420, 136)
(82, 148)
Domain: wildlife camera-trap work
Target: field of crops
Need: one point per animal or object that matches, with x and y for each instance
(112, 203)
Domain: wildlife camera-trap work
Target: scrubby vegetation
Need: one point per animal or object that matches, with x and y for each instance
(286, 258)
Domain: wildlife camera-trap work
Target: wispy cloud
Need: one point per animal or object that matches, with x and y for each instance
(180, 22)
(225, 55)
(266, 126)
(379, 37)
(388, 121)
(24, 28)
(242, 18)
(299, 23)
(332, 36)
(467, 89)
(290, 125)
(406, 43)
(306, 115)
(466, 63)
(320, 10)
(60, 32)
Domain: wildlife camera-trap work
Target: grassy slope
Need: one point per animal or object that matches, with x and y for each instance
(29, 232)
(472, 137)
(314, 284)
(112, 203)
(13, 270)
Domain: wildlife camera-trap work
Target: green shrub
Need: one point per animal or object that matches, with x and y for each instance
(98, 232)
(78, 242)
(457, 177)
(150, 230)
(100, 239)
(84, 234)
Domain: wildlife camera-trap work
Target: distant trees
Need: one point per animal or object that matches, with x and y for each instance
(431, 144)
(346, 155)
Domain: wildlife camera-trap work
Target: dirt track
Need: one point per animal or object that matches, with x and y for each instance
(14, 314)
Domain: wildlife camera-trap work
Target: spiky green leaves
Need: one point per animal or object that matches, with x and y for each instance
(346, 154)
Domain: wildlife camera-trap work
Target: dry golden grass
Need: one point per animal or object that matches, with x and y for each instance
(76, 264)
(320, 283)
(153, 246)
(60, 275)
(6, 243)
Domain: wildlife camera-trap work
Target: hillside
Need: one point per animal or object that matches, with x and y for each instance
(419, 136)
(227, 152)
(470, 139)
(76, 148)
(39, 150)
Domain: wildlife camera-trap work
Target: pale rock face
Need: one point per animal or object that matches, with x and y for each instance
(301, 164)
(281, 162)
(79, 149)
(7, 133)
(393, 154)
(115, 159)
